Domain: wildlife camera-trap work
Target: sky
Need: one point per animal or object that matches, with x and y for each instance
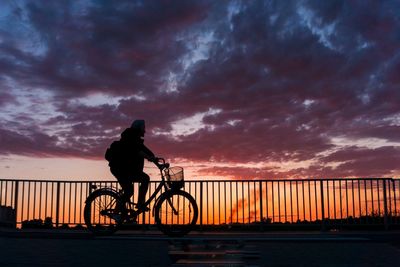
(228, 89)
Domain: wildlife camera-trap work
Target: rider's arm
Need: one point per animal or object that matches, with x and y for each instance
(147, 154)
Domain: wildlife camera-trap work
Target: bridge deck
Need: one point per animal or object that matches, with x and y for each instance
(146, 248)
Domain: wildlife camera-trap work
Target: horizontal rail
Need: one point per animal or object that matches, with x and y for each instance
(325, 202)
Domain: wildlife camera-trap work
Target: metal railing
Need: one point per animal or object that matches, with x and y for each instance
(316, 202)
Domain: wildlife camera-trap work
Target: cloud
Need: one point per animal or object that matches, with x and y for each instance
(284, 79)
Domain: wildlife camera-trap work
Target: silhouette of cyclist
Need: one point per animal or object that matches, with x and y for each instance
(128, 161)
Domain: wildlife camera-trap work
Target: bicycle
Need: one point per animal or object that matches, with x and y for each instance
(175, 211)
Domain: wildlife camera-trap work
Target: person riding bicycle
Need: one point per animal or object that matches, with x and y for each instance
(127, 162)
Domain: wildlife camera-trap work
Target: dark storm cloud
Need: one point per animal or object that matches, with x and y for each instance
(283, 78)
(115, 48)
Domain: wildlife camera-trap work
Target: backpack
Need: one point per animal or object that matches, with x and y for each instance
(114, 151)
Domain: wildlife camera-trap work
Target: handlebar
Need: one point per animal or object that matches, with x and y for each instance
(161, 164)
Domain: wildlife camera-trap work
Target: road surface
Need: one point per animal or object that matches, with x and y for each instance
(69, 248)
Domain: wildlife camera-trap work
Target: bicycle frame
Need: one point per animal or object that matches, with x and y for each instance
(156, 191)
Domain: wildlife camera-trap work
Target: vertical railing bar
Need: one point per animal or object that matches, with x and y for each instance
(291, 201)
(213, 202)
(372, 201)
(9, 196)
(340, 197)
(316, 199)
(201, 203)
(1, 193)
(4, 196)
(69, 203)
(243, 203)
(52, 201)
(366, 201)
(297, 201)
(22, 201)
(237, 202)
(359, 199)
(144, 213)
(279, 200)
(334, 199)
(389, 191)
(29, 197)
(284, 198)
(207, 201)
(219, 202)
(266, 201)
(80, 201)
(230, 190)
(34, 200)
(40, 200)
(261, 202)
(322, 203)
(16, 190)
(58, 204)
(304, 202)
(255, 201)
(7, 193)
(225, 204)
(248, 196)
(309, 199)
(195, 192)
(273, 201)
(394, 196)
(328, 199)
(63, 206)
(150, 191)
(347, 202)
(354, 206)
(379, 198)
(385, 206)
(75, 198)
(46, 197)
(12, 192)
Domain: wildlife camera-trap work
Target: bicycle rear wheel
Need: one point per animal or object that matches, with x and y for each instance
(176, 213)
(102, 212)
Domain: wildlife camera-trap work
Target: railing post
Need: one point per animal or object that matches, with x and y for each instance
(58, 204)
(201, 203)
(16, 202)
(261, 205)
(323, 228)
(385, 218)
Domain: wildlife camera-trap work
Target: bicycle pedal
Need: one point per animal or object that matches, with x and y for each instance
(116, 217)
(131, 221)
(143, 209)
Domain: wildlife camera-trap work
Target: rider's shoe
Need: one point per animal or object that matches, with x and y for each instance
(131, 221)
(116, 217)
(143, 208)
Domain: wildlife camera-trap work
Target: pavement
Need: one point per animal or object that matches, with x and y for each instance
(151, 248)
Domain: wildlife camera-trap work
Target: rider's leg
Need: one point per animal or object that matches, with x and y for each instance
(127, 187)
(144, 179)
(124, 180)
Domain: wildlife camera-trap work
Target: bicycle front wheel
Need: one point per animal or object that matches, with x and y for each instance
(102, 212)
(176, 213)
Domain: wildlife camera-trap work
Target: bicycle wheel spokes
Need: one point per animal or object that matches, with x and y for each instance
(171, 212)
(102, 212)
(176, 213)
